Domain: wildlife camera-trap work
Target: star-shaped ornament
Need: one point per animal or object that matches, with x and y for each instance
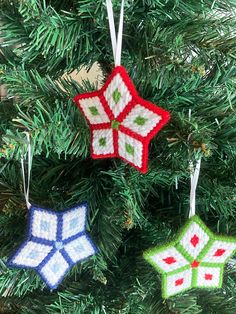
(121, 123)
(195, 259)
(55, 242)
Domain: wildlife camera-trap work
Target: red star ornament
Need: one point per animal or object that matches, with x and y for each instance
(121, 123)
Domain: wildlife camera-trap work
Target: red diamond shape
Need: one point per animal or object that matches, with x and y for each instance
(195, 264)
(169, 260)
(208, 276)
(219, 252)
(121, 122)
(194, 240)
(179, 282)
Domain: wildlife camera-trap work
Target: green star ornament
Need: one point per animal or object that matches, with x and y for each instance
(195, 259)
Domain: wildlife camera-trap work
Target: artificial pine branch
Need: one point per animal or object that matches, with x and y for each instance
(181, 56)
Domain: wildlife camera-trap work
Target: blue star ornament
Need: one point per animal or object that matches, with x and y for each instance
(55, 242)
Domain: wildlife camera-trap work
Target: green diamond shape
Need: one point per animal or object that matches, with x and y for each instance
(102, 141)
(140, 120)
(94, 111)
(115, 124)
(116, 96)
(129, 148)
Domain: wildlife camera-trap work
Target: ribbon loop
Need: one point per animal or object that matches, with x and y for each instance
(194, 180)
(26, 184)
(116, 41)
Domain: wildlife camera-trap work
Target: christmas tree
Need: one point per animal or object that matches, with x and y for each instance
(180, 56)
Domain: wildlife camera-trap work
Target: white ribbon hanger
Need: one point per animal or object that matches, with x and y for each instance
(116, 41)
(194, 180)
(26, 185)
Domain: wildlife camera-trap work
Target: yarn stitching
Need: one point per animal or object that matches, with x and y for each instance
(195, 259)
(126, 121)
(54, 243)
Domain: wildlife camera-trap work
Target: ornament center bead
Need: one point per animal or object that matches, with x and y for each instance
(195, 264)
(58, 245)
(115, 124)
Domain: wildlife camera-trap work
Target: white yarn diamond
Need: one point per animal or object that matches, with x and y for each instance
(32, 254)
(79, 249)
(102, 142)
(130, 149)
(125, 96)
(169, 259)
(178, 282)
(219, 252)
(94, 111)
(141, 120)
(208, 276)
(54, 270)
(194, 239)
(73, 222)
(44, 225)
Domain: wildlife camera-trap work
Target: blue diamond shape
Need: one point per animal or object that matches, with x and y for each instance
(33, 255)
(73, 223)
(44, 225)
(55, 267)
(78, 248)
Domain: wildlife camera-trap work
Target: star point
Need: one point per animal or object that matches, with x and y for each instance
(121, 123)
